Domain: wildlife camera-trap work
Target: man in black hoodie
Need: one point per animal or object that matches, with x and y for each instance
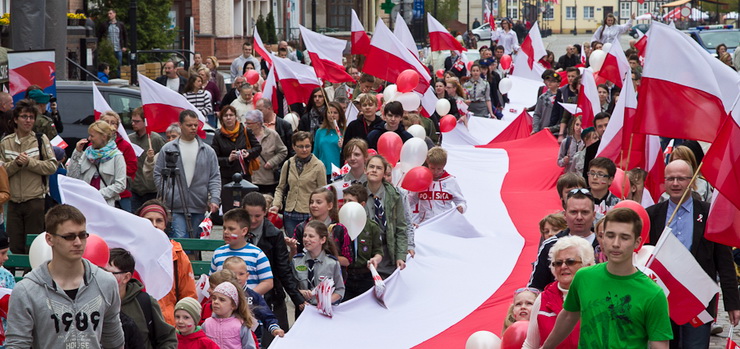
(392, 115)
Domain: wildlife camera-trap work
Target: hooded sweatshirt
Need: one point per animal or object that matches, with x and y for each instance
(164, 334)
(44, 316)
(195, 340)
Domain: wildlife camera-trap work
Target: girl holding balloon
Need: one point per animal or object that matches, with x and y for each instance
(328, 140)
(478, 94)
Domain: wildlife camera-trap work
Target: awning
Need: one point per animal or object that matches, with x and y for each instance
(676, 3)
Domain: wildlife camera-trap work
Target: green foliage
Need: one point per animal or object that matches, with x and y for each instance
(446, 10)
(261, 27)
(106, 54)
(271, 33)
(152, 21)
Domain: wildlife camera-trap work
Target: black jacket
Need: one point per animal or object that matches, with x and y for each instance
(273, 245)
(223, 147)
(541, 275)
(714, 258)
(229, 97)
(162, 80)
(374, 135)
(565, 62)
(449, 67)
(103, 32)
(285, 130)
(359, 129)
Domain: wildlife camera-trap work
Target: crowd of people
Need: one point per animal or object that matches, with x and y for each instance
(286, 237)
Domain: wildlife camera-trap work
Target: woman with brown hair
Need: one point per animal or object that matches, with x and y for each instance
(236, 147)
(609, 30)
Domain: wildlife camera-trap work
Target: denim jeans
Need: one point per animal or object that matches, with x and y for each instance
(125, 204)
(119, 57)
(179, 226)
(291, 220)
(687, 336)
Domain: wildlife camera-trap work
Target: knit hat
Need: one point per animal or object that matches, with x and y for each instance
(190, 305)
(39, 96)
(58, 153)
(228, 289)
(586, 131)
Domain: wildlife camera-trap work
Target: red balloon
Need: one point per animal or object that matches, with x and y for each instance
(417, 179)
(379, 97)
(515, 335)
(469, 65)
(620, 180)
(96, 251)
(407, 80)
(253, 77)
(389, 145)
(440, 73)
(599, 79)
(447, 123)
(257, 96)
(505, 62)
(635, 206)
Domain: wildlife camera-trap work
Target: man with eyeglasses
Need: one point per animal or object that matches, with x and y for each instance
(66, 302)
(579, 216)
(142, 188)
(601, 173)
(716, 259)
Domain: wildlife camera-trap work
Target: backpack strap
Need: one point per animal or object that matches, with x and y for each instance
(41, 154)
(145, 302)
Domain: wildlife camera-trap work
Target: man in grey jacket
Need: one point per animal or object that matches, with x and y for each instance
(197, 175)
(66, 302)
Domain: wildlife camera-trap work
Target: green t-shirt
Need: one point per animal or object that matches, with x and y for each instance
(618, 311)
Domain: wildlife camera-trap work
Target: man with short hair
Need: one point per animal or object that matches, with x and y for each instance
(238, 64)
(601, 120)
(66, 302)
(114, 31)
(346, 89)
(569, 59)
(171, 79)
(601, 172)
(291, 53)
(271, 241)
(565, 94)
(44, 123)
(233, 94)
(716, 259)
(29, 160)
(142, 188)
(567, 182)
(6, 114)
(279, 125)
(618, 305)
(198, 176)
(579, 216)
(636, 78)
(364, 85)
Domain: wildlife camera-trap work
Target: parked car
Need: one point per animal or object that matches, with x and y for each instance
(710, 36)
(484, 31)
(643, 27)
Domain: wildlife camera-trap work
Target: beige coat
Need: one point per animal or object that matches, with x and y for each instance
(26, 182)
(273, 152)
(312, 177)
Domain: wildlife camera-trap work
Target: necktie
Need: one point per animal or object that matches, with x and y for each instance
(379, 212)
(310, 263)
(250, 238)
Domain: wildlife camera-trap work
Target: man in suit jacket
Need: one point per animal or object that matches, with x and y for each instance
(714, 258)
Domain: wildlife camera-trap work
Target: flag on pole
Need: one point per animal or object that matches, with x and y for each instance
(360, 40)
(723, 159)
(402, 32)
(439, 38)
(297, 80)
(588, 99)
(163, 106)
(259, 47)
(488, 17)
(58, 142)
(326, 56)
(100, 106)
(532, 46)
(615, 66)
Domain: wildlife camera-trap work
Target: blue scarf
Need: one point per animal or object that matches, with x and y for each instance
(99, 156)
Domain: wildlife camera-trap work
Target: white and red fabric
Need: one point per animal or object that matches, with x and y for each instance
(360, 40)
(453, 256)
(259, 47)
(163, 106)
(439, 38)
(402, 32)
(488, 16)
(731, 344)
(615, 66)
(687, 286)
(31, 68)
(723, 223)
(588, 98)
(326, 56)
(58, 141)
(520, 128)
(269, 90)
(723, 159)
(297, 80)
(532, 46)
(584, 59)
(689, 105)
(100, 106)
(149, 246)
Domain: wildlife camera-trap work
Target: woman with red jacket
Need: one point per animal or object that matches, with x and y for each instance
(129, 155)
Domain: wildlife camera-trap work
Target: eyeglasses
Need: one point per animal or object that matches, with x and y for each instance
(26, 116)
(116, 272)
(569, 262)
(679, 179)
(598, 174)
(303, 146)
(71, 237)
(583, 191)
(530, 289)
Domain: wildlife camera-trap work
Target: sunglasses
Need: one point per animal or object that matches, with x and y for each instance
(569, 262)
(71, 237)
(583, 191)
(530, 289)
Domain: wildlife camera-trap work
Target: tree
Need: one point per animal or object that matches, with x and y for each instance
(270, 24)
(152, 20)
(106, 55)
(261, 27)
(446, 10)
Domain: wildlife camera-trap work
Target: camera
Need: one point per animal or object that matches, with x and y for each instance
(170, 159)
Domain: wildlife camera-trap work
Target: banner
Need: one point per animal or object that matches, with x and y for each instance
(28, 68)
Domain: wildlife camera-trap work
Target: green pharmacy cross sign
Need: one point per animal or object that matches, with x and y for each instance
(387, 6)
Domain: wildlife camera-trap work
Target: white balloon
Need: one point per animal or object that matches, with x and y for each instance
(39, 252)
(504, 86)
(352, 215)
(596, 59)
(409, 100)
(606, 47)
(483, 340)
(293, 119)
(641, 257)
(414, 152)
(390, 93)
(417, 131)
(399, 172)
(442, 107)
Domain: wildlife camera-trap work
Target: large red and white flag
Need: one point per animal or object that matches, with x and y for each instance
(520, 128)
(402, 32)
(688, 105)
(100, 106)
(588, 98)
(615, 66)
(532, 46)
(488, 17)
(260, 48)
(688, 287)
(722, 161)
(326, 56)
(162, 106)
(439, 38)
(723, 223)
(26, 68)
(360, 40)
(297, 80)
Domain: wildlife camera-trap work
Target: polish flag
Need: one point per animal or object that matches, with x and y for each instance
(532, 46)
(260, 48)
(615, 66)
(58, 141)
(521, 127)
(588, 98)
(488, 16)
(391, 57)
(26, 68)
(731, 344)
(440, 39)
(584, 59)
(723, 159)
(163, 106)
(688, 287)
(640, 45)
(100, 106)
(402, 32)
(326, 56)
(689, 105)
(297, 80)
(270, 91)
(723, 223)
(360, 40)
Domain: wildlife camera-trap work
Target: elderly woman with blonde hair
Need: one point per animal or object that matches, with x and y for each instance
(101, 165)
(569, 254)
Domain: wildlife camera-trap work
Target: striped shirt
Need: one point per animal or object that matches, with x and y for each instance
(200, 100)
(257, 264)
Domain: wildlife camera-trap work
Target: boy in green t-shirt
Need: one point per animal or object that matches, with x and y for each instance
(618, 306)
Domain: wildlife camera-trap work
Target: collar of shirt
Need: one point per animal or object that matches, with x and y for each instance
(380, 194)
(686, 207)
(258, 232)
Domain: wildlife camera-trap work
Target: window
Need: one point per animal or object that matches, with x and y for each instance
(340, 14)
(548, 15)
(642, 9)
(124, 105)
(512, 9)
(625, 9)
(570, 12)
(588, 12)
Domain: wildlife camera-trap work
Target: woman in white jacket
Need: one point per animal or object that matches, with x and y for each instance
(101, 164)
(609, 30)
